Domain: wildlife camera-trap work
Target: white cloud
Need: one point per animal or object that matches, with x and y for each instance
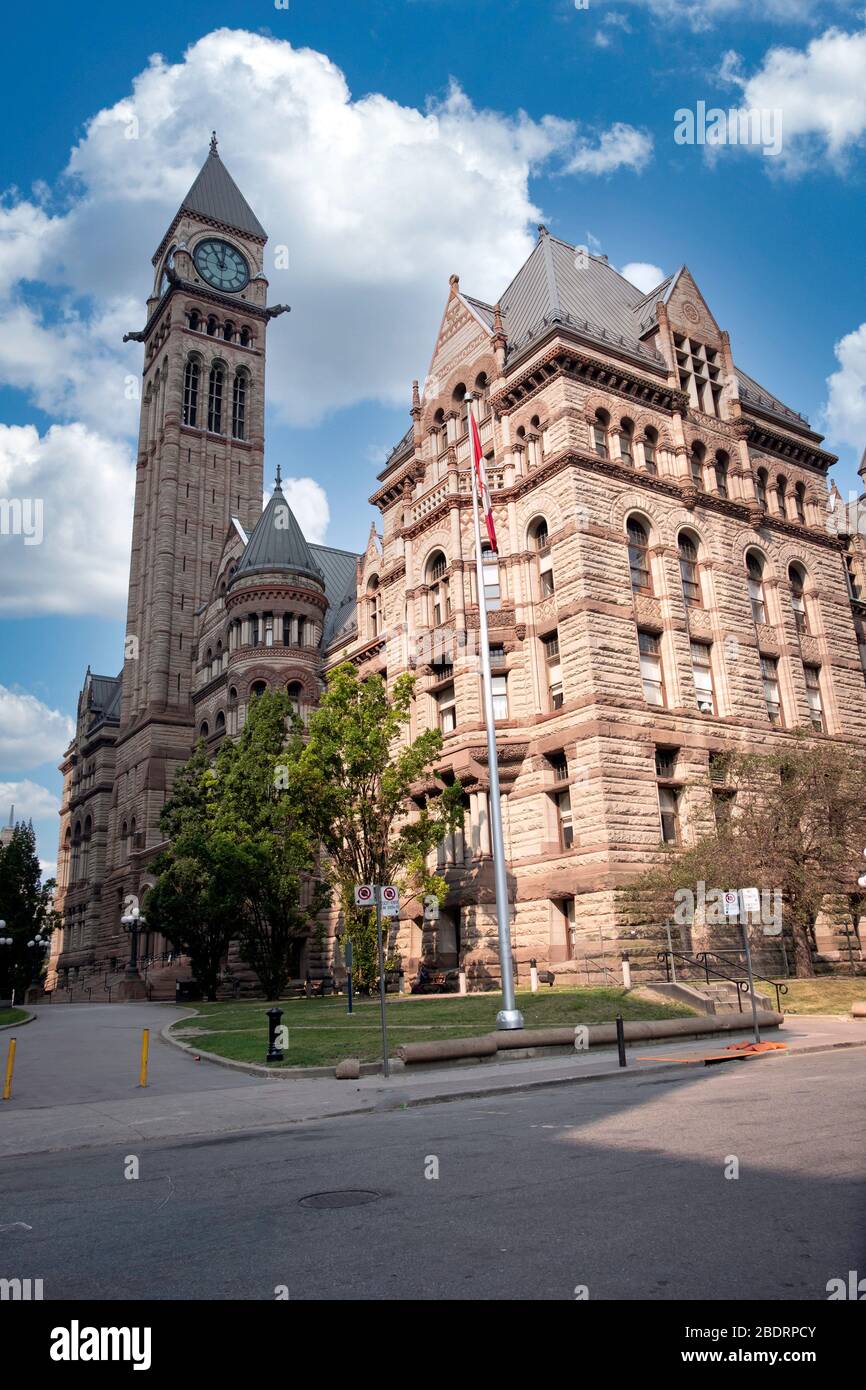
(31, 801)
(82, 484)
(845, 411)
(643, 274)
(821, 92)
(709, 13)
(377, 202)
(309, 502)
(620, 147)
(30, 732)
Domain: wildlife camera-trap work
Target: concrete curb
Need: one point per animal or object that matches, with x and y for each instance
(31, 1018)
(272, 1073)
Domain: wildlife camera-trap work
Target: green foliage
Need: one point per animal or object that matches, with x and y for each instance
(26, 908)
(371, 794)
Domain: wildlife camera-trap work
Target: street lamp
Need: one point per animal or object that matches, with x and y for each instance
(133, 922)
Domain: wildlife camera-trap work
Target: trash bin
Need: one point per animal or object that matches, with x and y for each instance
(185, 991)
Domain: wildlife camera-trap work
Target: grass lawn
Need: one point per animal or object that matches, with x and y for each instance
(12, 1015)
(826, 994)
(321, 1032)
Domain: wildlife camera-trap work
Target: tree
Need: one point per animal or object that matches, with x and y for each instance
(26, 907)
(195, 902)
(263, 814)
(798, 826)
(371, 797)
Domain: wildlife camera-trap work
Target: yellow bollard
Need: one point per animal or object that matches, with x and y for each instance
(10, 1067)
(145, 1045)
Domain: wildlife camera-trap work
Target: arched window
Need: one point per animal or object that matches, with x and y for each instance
(761, 479)
(440, 432)
(374, 607)
(539, 541)
(204, 731)
(215, 400)
(195, 320)
(800, 502)
(124, 842)
(211, 327)
(797, 581)
(755, 572)
(440, 597)
(239, 406)
(132, 835)
(688, 553)
(295, 692)
(220, 723)
(65, 858)
(228, 332)
(482, 393)
(599, 433)
(190, 393)
(85, 847)
(782, 494)
(650, 449)
(721, 466)
(458, 397)
(626, 441)
(638, 559)
(696, 464)
(258, 688)
(490, 570)
(245, 337)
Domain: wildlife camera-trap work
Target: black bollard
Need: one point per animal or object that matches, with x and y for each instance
(620, 1039)
(274, 1053)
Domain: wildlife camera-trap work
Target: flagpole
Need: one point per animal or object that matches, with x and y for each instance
(509, 1015)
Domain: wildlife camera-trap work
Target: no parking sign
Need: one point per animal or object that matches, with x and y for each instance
(364, 895)
(390, 901)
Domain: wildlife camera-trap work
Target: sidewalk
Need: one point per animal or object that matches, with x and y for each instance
(185, 1098)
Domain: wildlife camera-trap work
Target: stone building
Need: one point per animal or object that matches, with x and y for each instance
(667, 585)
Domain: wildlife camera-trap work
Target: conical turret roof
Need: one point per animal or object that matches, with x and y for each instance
(277, 543)
(214, 194)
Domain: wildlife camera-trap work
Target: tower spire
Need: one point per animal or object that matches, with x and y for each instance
(213, 143)
(279, 479)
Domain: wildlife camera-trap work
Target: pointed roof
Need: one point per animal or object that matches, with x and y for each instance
(215, 195)
(277, 543)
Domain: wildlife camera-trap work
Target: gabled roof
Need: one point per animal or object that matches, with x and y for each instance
(214, 194)
(277, 543)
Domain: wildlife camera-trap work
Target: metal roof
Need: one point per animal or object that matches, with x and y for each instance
(277, 543)
(215, 194)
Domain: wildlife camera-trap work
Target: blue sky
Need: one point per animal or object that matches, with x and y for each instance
(390, 144)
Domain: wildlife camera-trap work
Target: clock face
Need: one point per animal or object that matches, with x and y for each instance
(221, 265)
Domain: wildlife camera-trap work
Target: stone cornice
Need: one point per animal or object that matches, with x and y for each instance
(770, 439)
(578, 365)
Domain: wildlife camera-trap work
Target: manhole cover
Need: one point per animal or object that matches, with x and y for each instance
(351, 1198)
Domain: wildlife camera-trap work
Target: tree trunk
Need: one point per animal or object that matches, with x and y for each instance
(804, 966)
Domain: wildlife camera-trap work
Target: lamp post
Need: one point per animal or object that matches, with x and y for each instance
(133, 922)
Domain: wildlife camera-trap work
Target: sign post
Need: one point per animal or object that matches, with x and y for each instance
(385, 898)
(379, 893)
(745, 932)
(348, 958)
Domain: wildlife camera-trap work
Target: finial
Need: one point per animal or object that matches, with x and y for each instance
(279, 477)
(213, 142)
(542, 230)
(454, 282)
(416, 396)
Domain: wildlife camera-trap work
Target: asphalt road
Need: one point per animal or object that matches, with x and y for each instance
(616, 1185)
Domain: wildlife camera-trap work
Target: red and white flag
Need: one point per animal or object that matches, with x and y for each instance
(481, 481)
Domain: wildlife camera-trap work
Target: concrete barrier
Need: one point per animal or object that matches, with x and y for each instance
(599, 1035)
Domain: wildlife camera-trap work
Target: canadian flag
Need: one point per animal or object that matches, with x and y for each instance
(481, 481)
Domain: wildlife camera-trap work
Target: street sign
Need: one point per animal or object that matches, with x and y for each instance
(365, 895)
(431, 908)
(751, 900)
(732, 904)
(390, 901)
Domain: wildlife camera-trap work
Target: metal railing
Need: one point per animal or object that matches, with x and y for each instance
(700, 961)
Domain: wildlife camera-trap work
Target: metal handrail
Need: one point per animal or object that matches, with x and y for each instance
(605, 968)
(700, 959)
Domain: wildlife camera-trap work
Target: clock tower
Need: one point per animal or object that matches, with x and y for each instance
(198, 470)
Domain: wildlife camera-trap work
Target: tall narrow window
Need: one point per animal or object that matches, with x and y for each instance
(813, 695)
(440, 598)
(554, 670)
(702, 670)
(770, 675)
(599, 433)
(798, 599)
(626, 437)
(755, 571)
(254, 630)
(696, 465)
(499, 687)
(721, 471)
(190, 393)
(669, 814)
(761, 487)
(215, 401)
(374, 610)
(295, 691)
(800, 502)
(782, 494)
(638, 560)
(239, 406)
(446, 709)
(650, 447)
(650, 648)
(269, 629)
(490, 567)
(565, 822)
(539, 540)
(688, 553)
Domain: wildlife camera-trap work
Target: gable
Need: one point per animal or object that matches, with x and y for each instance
(461, 336)
(689, 313)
